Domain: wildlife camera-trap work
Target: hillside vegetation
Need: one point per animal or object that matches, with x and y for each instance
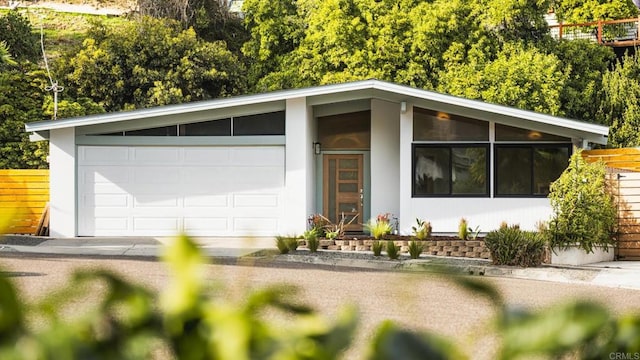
(63, 30)
(170, 52)
(114, 4)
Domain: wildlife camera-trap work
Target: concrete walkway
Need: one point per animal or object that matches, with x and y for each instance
(623, 274)
(132, 246)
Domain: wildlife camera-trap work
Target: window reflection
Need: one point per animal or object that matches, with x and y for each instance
(529, 169)
(450, 170)
(429, 125)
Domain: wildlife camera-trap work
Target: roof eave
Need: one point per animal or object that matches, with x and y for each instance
(214, 104)
(591, 131)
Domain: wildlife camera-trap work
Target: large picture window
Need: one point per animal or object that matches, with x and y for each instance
(450, 170)
(528, 170)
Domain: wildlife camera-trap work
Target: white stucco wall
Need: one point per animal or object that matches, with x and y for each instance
(406, 217)
(485, 213)
(62, 183)
(299, 176)
(385, 157)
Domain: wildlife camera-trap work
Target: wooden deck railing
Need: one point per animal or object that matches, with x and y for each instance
(610, 32)
(23, 197)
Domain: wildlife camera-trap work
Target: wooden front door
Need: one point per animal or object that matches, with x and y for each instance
(343, 191)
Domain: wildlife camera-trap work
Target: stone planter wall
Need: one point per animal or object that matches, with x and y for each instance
(455, 248)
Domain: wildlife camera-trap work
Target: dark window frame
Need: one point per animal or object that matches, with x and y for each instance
(261, 124)
(236, 128)
(531, 147)
(486, 146)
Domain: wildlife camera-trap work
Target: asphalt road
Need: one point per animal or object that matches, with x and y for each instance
(422, 301)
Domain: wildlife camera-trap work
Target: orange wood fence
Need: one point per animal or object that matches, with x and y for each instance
(24, 195)
(627, 187)
(624, 171)
(623, 159)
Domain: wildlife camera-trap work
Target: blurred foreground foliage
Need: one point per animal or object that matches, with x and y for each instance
(188, 321)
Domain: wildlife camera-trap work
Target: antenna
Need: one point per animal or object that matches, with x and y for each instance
(54, 84)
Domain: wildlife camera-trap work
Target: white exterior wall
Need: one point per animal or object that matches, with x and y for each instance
(299, 178)
(385, 158)
(62, 183)
(485, 213)
(406, 218)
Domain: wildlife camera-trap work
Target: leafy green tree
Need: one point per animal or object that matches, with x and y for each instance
(621, 103)
(409, 42)
(17, 33)
(147, 63)
(211, 19)
(580, 11)
(21, 98)
(514, 20)
(585, 64)
(400, 41)
(519, 76)
(276, 29)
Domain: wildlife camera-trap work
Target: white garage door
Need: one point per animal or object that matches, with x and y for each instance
(157, 191)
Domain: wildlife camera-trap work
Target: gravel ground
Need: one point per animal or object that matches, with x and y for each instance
(421, 301)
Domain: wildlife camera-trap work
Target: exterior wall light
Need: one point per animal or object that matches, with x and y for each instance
(317, 148)
(442, 116)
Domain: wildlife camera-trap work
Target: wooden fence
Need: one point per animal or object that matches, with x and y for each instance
(621, 159)
(24, 194)
(624, 171)
(627, 187)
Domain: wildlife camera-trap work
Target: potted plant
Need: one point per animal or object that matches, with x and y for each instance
(584, 214)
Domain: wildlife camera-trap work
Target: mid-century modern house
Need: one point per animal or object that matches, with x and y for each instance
(259, 165)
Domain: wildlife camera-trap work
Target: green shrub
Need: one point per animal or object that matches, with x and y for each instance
(584, 212)
(19, 37)
(463, 229)
(511, 246)
(422, 230)
(415, 249)
(376, 247)
(318, 223)
(393, 251)
(313, 244)
(378, 228)
(331, 235)
(282, 245)
(292, 242)
(311, 237)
